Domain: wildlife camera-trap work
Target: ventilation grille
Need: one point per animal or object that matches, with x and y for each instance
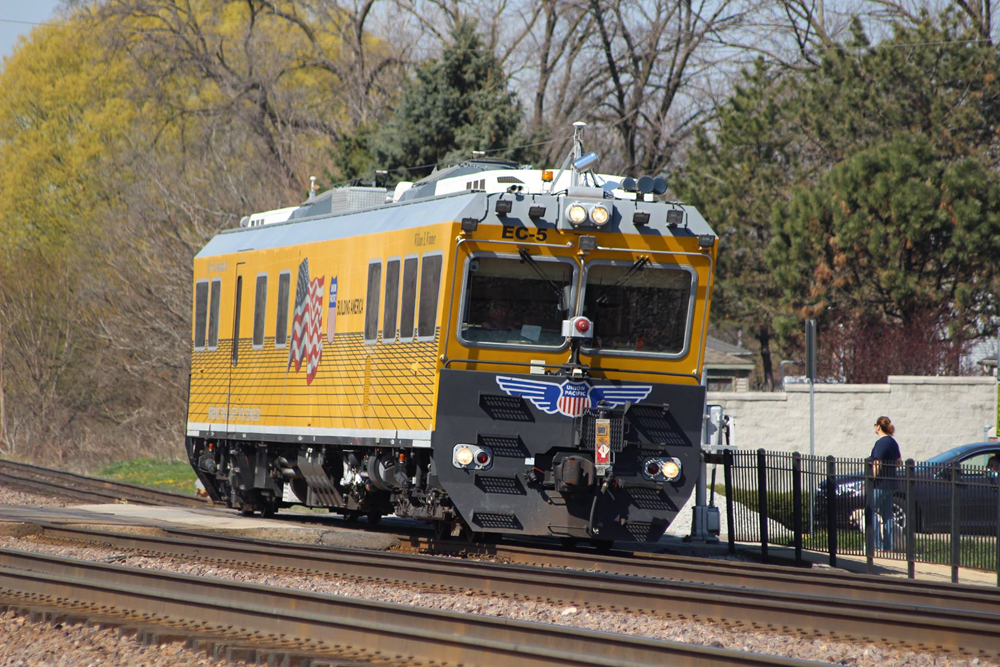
(508, 486)
(657, 425)
(643, 532)
(650, 499)
(504, 446)
(496, 520)
(505, 408)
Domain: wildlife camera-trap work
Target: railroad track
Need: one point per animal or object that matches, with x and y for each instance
(823, 582)
(332, 625)
(966, 620)
(90, 489)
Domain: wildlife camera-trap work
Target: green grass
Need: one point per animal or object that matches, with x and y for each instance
(174, 476)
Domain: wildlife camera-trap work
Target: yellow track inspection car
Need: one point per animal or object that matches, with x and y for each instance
(493, 349)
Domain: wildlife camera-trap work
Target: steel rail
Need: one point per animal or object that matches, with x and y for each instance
(74, 485)
(835, 583)
(911, 624)
(330, 623)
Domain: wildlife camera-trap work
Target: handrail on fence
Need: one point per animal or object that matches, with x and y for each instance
(928, 512)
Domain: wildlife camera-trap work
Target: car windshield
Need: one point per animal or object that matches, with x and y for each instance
(944, 457)
(638, 308)
(516, 301)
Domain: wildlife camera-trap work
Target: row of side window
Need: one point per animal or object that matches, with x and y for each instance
(207, 299)
(401, 300)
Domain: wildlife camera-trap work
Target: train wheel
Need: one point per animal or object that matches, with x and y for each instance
(246, 509)
(374, 518)
(352, 515)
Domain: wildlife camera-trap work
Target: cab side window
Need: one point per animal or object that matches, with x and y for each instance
(200, 313)
(406, 313)
(213, 314)
(391, 301)
(260, 312)
(372, 302)
(430, 285)
(281, 322)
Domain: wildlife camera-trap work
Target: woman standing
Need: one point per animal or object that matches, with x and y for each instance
(885, 459)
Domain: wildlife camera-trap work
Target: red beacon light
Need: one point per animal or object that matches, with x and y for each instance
(482, 457)
(577, 327)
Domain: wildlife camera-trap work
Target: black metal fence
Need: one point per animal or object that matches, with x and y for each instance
(917, 512)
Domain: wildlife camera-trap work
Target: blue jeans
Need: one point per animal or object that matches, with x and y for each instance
(883, 506)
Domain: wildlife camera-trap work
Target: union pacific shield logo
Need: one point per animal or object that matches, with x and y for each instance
(571, 399)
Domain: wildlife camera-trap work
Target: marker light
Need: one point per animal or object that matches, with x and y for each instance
(482, 458)
(652, 468)
(576, 214)
(599, 215)
(463, 455)
(671, 470)
(583, 325)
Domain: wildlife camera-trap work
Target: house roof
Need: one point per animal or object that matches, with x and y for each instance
(714, 359)
(727, 348)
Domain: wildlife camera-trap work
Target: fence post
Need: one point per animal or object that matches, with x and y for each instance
(762, 501)
(955, 532)
(869, 516)
(911, 516)
(831, 509)
(727, 474)
(797, 507)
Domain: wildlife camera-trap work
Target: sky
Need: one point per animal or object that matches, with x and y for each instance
(16, 17)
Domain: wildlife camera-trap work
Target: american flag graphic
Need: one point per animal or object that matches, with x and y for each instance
(307, 323)
(575, 398)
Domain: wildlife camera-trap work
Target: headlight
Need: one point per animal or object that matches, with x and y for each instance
(472, 457)
(599, 215)
(463, 456)
(576, 214)
(671, 470)
(663, 469)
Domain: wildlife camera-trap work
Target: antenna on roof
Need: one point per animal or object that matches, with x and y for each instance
(579, 161)
(312, 187)
(477, 154)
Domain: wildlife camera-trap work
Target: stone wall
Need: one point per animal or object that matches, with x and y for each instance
(931, 414)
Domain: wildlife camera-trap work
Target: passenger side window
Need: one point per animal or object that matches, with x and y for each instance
(260, 312)
(410, 266)
(213, 314)
(371, 303)
(391, 301)
(430, 285)
(281, 322)
(200, 313)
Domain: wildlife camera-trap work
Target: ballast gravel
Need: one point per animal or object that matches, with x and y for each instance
(691, 632)
(15, 497)
(24, 643)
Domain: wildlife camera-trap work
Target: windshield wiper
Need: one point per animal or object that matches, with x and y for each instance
(525, 257)
(637, 266)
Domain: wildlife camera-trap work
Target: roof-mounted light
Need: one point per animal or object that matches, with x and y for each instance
(600, 215)
(503, 206)
(576, 214)
(640, 218)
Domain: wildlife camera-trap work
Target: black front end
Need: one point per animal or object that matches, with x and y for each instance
(573, 458)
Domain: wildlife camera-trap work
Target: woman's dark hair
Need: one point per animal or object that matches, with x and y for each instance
(886, 425)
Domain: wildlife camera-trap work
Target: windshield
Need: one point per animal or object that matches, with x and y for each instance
(638, 307)
(943, 457)
(510, 301)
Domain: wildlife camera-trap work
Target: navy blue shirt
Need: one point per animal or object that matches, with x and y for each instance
(886, 450)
